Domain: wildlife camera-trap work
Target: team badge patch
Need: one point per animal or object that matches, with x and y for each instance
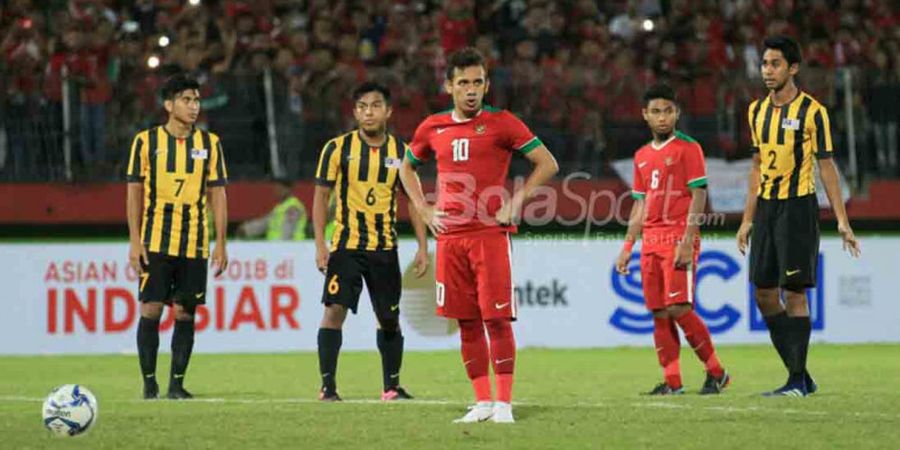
(393, 163)
(669, 161)
(199, 153)
(480, 128)
(790, 124)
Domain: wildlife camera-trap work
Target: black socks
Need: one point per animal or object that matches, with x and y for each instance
(790, 336)
(778, 331)
(182, 345)
(148, 346)
(390, 344)
(329, 347)
(800, 329)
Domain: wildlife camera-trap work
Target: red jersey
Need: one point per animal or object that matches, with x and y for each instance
(473, 159)
(663, 177)
(455, 32)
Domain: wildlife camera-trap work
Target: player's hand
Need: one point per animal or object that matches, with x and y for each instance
(743, 237)
(219, 260)
(622, 261)
(851, 245)
(421, 262)
(505, 214)
(684, 255)
(137, 254)
(322, 255)
(433, 217)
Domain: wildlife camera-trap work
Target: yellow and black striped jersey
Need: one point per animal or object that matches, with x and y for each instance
(788, 139)
(175, 173)
(366, 180)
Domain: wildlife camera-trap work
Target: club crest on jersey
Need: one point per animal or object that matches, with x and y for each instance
(480, 128)
(669, 161)
(790, 124)
(199, 153)
(393, 163)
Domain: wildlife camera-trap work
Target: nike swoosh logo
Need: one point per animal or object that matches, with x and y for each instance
(501, 361)
(326, 374)
(441, 130)
(395, 375)
(199, 295)
(792, 272)
(500, 306)
(672, 294)
(395, 307)
(178, 376)
(468, 362)
(642, 164)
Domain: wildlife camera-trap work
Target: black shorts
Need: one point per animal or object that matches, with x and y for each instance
(170, 278)
(784, 244)
(380, 269)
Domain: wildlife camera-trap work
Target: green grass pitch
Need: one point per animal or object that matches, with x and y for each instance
(564, 399)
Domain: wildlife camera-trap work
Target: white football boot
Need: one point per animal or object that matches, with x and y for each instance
(502, 413)
(481, 412)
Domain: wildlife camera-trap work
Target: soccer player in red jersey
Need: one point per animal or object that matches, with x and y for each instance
(473, 145)
(669, 193)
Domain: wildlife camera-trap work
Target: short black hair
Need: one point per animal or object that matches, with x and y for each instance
(467, 57)
(176, 84)
(660, 91)
(372, 86)
(788, 47)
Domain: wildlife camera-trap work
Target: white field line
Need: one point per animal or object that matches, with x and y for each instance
(252, 401)
(462, 404)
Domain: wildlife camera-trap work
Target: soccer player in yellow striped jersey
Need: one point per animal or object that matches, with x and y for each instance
(172, 169)
(362, 166)
(790, 131)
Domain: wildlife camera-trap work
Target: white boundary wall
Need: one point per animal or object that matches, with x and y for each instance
(80, 298)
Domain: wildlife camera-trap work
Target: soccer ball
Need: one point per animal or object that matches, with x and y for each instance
(70, 410)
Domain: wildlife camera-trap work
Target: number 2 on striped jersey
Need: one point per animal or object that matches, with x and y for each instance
(772, 157)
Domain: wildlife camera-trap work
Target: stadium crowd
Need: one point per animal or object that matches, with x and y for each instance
(573, 70)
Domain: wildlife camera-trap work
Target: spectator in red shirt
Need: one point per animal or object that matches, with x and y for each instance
(627, 131)
(701, 96)
(457, 25)
(95, 65)
(22, 53)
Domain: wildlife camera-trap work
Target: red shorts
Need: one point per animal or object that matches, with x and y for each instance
(474, 277)
(664, 285)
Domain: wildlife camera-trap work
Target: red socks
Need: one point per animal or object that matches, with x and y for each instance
(668, 346)
(503, 356)
(697, 335)
(476, 356)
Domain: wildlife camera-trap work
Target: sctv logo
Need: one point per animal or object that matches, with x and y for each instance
(633, 317)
